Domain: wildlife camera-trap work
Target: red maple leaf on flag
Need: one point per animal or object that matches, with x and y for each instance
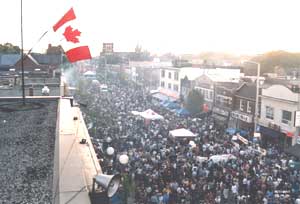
(72, 35)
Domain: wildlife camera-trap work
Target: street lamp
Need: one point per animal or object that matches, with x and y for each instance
(257, 93)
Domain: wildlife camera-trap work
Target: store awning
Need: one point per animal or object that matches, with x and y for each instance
(290, 134)
(231, 131)
(162, 97)
(269, 132)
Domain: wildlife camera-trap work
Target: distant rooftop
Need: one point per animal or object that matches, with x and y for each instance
(9, 59)
(48, 59)
(284, 82)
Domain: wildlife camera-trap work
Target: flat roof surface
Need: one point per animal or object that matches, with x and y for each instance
(17, 91)
(27, 142)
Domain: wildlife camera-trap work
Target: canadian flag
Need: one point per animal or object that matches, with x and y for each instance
(75, 50)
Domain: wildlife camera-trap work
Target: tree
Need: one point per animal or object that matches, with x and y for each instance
(194, 102)
(269, 61)
(9, 48)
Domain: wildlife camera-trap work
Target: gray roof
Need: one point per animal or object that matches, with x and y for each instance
(9, 59)
(248, 90)
(228, 85)
(52, 59)
(284, 82)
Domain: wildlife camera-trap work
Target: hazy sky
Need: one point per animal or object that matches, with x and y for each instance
(178, 26)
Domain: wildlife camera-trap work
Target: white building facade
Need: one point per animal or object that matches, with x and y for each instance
(277, 119)
(170, 77)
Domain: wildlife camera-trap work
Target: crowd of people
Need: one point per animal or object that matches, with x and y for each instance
(164, 170)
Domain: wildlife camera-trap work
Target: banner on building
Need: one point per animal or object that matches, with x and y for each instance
(297, 119)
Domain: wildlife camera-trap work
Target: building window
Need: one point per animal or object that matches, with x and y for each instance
(202, 91)
(162, 73)
(176, 76)
(210, 95)
(286, 117)
(162, 84)
(169, 86)
(175, 87)
(269, 112)
(241, 105)
(248, 107)
(205, 94)
(170, 75)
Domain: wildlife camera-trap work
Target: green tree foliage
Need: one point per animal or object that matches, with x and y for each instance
(194, 102)
(9, 48)
(274, 59)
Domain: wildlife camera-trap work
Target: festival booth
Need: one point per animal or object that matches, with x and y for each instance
(148, 115)
(181, 133)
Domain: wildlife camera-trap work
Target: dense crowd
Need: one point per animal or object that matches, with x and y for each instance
(169, 171)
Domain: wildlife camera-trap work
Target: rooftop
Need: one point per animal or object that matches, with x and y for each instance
(27, 151)
(247, 90)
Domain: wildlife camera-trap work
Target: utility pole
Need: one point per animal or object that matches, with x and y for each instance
(298, 109)
(22, 56)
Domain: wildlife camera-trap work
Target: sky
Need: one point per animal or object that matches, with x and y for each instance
(160, 26)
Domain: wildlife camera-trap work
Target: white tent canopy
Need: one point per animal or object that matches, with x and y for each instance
(89, 73)
(181, 133)
(222, 158)
(148, 114)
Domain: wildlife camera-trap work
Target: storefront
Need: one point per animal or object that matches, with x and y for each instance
(221, 116)
(275, 136)
(243, 121)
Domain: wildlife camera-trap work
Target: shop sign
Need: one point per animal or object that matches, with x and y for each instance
(242, 117)
(220, 111)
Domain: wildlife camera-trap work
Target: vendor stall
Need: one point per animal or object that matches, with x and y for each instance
(181, 133)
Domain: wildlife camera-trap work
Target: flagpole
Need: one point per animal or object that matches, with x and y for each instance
(22, 57)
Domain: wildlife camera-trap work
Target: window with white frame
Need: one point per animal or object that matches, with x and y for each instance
(241, 105)
(175, 87)
(176, 76)
(248, 107)
(162, 73)
(206, 94)
(211, 95)
(286, 117)
(169, 86)
(162, 84)
(170, 75)
(269, 112)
